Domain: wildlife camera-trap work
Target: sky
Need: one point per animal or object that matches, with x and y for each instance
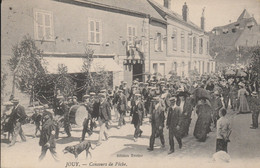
(217, 12)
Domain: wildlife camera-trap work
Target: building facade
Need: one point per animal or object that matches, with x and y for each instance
(187, 44)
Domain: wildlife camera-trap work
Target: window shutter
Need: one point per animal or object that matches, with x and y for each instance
(155, 44)
(162, 42)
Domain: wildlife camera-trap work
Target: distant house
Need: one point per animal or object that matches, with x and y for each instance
(243, 32)
(187, 43)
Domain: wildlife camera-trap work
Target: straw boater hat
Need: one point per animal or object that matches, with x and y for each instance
(254, 93)
(138, 95)
(103, 90)
(241, 84)
(155, 99)
(86, 96)
(8, 103)
(173, 99)
(15, 100)
(102, 95)
(60, 97)
(92, 94)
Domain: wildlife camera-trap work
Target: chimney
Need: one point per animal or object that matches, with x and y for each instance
(202, 20)
(167, 4)
(185, 11)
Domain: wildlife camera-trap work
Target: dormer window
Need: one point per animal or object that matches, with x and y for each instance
(225, 31)
(234, 30)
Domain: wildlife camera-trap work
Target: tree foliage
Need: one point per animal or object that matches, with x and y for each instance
(255, 62)
(95, 81)
(64, 81)
(25, 64)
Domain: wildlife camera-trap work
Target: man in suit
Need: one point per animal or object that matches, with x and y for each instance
(63, 109)
(122, 107)
(47, 138)
(157, 121)
(104, 117)
(17, 118)
(173, 124)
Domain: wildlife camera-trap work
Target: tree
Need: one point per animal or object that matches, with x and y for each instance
(255, 62)
(25, 64)
(3, 84)
(95, 81)
(64, 81)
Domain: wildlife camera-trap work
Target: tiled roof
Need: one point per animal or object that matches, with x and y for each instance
(173, 14)
(228, 39)
(141, 6)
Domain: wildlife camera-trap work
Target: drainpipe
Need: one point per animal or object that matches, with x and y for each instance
(149, 47)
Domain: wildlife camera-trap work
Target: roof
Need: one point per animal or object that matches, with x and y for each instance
(242, 21)
(134, 6)
(244, 15)
(165, 11)
(228, 39)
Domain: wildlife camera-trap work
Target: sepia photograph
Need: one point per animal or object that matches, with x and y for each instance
(130, 83)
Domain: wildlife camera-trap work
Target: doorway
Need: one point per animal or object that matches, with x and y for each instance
(138, 72)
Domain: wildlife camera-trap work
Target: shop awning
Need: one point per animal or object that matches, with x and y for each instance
(74, 65)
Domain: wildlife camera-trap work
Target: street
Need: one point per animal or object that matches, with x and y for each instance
(120, 150)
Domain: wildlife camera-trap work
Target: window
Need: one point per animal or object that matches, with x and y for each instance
(194, 45)
(201, 46)
(174, 39)
(234, 30)
(43, 25)
(95, 31)
(182, 41)
(195, 65)
(199, 67)
(158, 42)
(203, 67)
(208, 67)
(131, 33)
(189, 44)
(182, 69)
(155, 67)
(189, 66)
(162, 69)
(174, 66)
(207, 47)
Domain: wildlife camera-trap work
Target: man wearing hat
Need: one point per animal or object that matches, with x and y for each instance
(122, 107)
(47, 138)
(17, 118)
(89, 107)
(216, 105)
(254, 104)
(63, 109)
(173, 124)
(157, 121)
(104, 117)
(138, 112)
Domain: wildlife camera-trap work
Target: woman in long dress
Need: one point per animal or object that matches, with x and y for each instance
(242, 93)
(202, 126)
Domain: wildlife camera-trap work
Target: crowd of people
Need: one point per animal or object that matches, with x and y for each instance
(165, 102)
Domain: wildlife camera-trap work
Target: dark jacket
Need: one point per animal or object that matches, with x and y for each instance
(104, 111)
(157, 117)
(18, 114)
(48, 134)
(122, 104)
(174, 117)
(138, 112)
